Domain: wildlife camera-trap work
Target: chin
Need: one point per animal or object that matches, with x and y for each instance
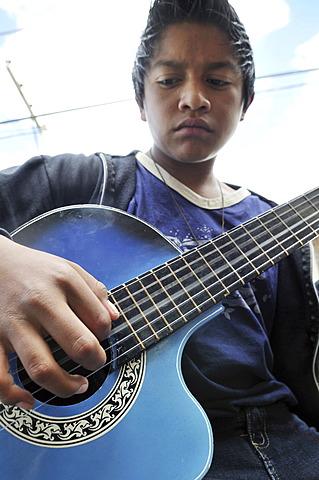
(194, 153)
(194, 158)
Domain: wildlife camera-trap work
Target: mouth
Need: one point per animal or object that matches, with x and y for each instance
(193, 126)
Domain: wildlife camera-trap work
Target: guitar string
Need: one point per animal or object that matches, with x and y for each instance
(150, 285)
(146, 326)
(213, 242)
(54, 396)
(37, 408)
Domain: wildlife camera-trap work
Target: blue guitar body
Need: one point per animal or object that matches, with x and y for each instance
(142, 423)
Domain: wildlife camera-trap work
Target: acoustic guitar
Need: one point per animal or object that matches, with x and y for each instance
(139, 420)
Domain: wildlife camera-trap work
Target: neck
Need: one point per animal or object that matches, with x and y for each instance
(198, 176)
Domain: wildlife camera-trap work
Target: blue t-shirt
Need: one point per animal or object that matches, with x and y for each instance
(228, 362)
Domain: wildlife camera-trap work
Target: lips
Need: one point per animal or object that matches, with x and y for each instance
(193, 125)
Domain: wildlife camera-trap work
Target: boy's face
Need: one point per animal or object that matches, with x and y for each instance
(193, 94)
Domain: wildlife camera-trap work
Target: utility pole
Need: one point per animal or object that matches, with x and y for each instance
(19, 87)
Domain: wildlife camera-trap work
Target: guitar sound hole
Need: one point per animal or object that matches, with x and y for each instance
(95, 379)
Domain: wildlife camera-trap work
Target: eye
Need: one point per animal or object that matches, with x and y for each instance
(168, 82)
(217, 83)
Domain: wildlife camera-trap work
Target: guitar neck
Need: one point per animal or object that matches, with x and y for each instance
(160, 301)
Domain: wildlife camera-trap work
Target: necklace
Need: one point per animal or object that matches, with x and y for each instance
(179, 208)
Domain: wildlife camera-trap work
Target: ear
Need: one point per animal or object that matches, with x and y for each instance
(251, 99)
(142, 111)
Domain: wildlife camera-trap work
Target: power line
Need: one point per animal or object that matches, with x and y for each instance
(19, 134)
(67, 111)
(31, 132)
(59, 112)
(10, 32)
(285, 87)
(283, 74)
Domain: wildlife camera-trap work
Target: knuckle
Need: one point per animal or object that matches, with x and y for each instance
(40, 372)
(33, 299)
(84, 348)
(102, 325)
(64, 275)
(101, 290)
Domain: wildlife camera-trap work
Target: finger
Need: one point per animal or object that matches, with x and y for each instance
(101, 292)
(11, 394)
(58, 320)
(77, 341)
(88, 299)
(42, 368)
(98, 288)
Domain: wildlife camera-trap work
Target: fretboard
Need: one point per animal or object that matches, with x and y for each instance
(160, 301)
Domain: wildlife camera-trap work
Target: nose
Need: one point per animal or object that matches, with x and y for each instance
(193, 97)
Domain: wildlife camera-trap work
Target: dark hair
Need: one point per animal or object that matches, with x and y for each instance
(164, 13)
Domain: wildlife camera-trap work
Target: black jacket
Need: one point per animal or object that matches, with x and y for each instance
(45, 183)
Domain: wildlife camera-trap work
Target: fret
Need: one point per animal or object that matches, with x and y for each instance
(312, 210)
(306, 205)
(222, 271)
(275, 248)
(156, 309)
(147, 321)
(143, 317)
(312, 198)
(251, 260)
(296, 223)
(183, 288)
(123, 336)
(198, 273)
(308, 229)
(263, 257)
(171, 302)
(236, 250)
(287, 228)
(130, 315)
(184, 268)
(262, 236)
(236, 243)
(222, 249)
(126, 332)
(238, 267)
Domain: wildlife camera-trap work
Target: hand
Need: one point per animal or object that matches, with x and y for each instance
(43, 294)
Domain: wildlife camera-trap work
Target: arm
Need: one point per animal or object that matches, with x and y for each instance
(44, 183)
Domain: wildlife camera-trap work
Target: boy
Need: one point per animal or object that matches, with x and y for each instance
(193, 77)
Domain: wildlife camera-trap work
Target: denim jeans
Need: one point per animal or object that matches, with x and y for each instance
(262, 444)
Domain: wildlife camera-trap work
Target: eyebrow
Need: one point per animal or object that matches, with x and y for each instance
(211, 66)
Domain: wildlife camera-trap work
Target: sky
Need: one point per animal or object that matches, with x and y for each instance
(71, 54)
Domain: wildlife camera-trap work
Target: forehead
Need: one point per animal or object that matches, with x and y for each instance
(187, 43)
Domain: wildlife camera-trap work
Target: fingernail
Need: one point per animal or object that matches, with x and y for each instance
(83, 388)
(113, 308)
(24, 405)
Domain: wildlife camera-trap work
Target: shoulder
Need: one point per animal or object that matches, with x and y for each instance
(110, 179)
(47, 182)
(256, 196)
(121, 179)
